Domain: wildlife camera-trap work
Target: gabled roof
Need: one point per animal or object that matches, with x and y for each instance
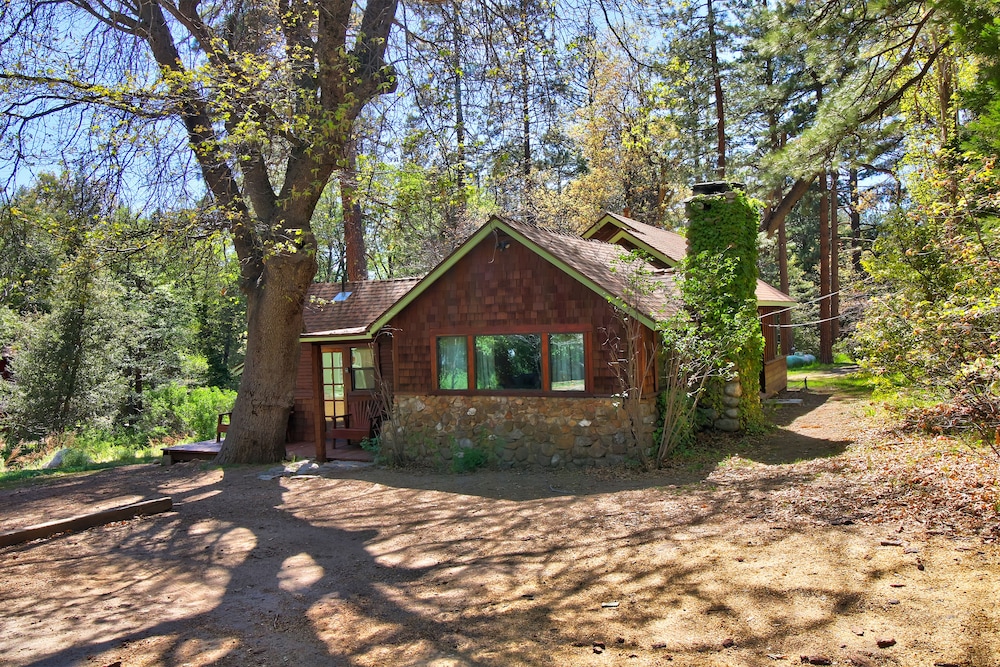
(669, 248)
(592, 263)
(768, 295)
(599, 265)
(327, 317)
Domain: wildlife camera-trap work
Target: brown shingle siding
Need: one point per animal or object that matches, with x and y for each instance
(498, 292)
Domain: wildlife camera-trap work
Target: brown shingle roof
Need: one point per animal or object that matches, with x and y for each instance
(674, 247)
(671, 244)
(367, 301)
(603, 266)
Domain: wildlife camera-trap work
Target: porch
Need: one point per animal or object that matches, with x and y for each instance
(207, 449)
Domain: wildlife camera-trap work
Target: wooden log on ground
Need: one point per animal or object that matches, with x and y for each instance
(84, 521)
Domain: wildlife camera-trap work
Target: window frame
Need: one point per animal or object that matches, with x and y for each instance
(586, 360)
(436, 364)
(546, 372)
(353, 370)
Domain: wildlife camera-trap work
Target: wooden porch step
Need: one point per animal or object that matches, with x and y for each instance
(205, 450)
(348, 433)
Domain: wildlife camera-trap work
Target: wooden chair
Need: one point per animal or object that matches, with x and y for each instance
(221, 427)
(357, 424)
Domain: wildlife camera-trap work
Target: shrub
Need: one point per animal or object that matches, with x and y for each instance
(467, 459)
(75, 458)
(172, 409)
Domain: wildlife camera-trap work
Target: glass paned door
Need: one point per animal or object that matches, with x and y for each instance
(334, 385)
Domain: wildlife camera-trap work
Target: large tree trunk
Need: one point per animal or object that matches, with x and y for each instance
(825, 328)
(720, 110)
(354, 229)
(834, 258)
(274, 323)
(265, 159)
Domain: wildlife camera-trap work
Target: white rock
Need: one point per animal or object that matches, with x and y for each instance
(57, 460)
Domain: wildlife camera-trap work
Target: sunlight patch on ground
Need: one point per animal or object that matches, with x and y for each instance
(204, 650)
(299, 573)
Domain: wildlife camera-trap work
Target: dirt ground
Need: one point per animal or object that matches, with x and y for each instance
(821, 539)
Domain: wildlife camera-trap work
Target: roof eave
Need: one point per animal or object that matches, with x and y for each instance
(322, 337)
(601, 222)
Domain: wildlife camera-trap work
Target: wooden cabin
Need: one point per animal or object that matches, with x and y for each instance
(503, 346)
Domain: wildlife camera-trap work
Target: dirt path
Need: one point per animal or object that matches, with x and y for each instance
(772, 551)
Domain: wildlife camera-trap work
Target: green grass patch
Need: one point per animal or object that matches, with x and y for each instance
(836, 367)
(88, 449)
(832, 377)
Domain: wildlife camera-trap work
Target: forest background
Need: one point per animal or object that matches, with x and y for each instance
(147, 199)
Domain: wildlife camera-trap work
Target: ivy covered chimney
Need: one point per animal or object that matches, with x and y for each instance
(721, 266)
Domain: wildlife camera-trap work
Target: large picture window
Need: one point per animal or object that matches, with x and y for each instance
(523, 362)
(452, 362)
(512, 361)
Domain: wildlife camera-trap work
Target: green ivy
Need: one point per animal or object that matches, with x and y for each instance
(721, 283)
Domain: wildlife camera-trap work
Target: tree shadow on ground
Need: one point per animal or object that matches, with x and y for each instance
(246, 568)
(777, 447)
(351, 571)
(245, 580)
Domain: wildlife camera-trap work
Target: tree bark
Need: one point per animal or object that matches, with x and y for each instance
(825, 330)
(274, 322)
(784, 206)
(720, 111)
(354, 229)
(834, 259)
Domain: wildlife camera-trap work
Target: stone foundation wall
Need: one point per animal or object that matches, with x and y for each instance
(518, 431)
(729, 419)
